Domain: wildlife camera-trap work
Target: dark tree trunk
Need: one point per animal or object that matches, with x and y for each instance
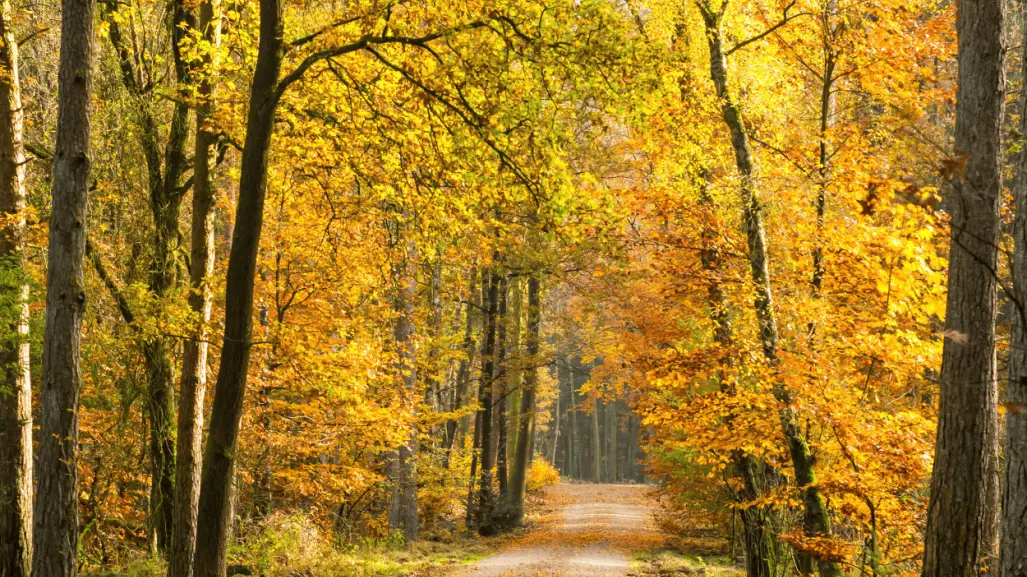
(962, 520)
(1013, 546)
(611, 441)
(486, 499)
(16, 399)
(503, 368)
(597, 441)
(527, 417)
(219, 456)
(55, 521)
(194, 354)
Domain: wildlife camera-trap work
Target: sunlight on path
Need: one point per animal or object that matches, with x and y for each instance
(593, 530)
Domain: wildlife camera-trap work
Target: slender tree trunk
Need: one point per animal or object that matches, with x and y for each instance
(962, 518)
(611, 441)
(486, 500)
(219, 457)
(527, 416)
(463, 374)
(403, 508)
(575, 433)
(16, 400)
(194, 354)
(597, 442)
(165, 205)
(55, 522)
(515, 362)
(816, 520)
(1013, 549)
(471, 516)
(503, 367)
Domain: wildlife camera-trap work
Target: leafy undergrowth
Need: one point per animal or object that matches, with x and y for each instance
(675, 563)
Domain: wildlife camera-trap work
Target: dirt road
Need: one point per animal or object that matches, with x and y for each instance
(591, 530)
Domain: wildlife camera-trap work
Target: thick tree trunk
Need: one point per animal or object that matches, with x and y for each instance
(486, 499)
(16, 399)
(527, 417)
(55, 521)
(816, 520)
(962, 519)
(194, 354)
(219, 456)
(1013, 546)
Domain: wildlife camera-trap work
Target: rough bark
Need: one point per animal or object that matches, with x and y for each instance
(816, 520)
(962, 517)
(522, 459)
(219, 455)
(1013, 545)
(194, 353)
(55, 518)
(16, 390)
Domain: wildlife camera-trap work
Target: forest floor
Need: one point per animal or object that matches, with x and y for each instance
(593, 530)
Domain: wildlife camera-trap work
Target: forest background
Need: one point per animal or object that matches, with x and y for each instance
(426, 254)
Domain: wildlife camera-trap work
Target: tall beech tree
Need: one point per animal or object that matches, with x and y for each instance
(55, 524)
(962, 518)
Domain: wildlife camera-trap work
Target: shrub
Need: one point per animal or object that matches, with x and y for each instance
(541, 474)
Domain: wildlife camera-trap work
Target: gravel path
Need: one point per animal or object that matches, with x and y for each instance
(592, 531)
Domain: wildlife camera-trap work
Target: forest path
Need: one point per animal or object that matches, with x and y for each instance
(591, 530)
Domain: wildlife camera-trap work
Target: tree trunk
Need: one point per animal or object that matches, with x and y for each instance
(611, 441)
(486, 500)
(597, 441)
(219, 456)
(165, 205)
(194, 353)
(55, 522)
(1013, 547)
(463, 375)
(574, 440)
(816, 520)
(527, 416)
(16, 400)
(403, 475)
(962, 519)
(503, 368)
(515, 362)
